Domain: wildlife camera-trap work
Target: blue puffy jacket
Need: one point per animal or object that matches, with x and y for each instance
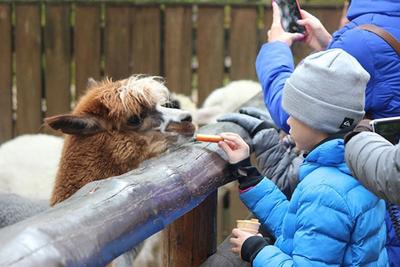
(275, 61)
(331, 220)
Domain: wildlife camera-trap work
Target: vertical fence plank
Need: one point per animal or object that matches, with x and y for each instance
(243, 42)
(178, 49)
(28, 68)
(189, 240)
(117, 42)
(57, 43)
(210, 49)
(146, 40)
(205, 229)
(6, 125)
(87, 43)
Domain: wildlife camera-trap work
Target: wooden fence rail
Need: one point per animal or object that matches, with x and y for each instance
(49, 49)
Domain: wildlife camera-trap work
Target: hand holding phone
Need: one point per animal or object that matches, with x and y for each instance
(277, 33)
(389, 128)
(290, 14)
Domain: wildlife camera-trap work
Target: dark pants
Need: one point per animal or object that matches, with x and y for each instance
(224, 257)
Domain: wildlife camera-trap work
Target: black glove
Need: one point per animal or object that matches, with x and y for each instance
(362, 126)
(252, 246)
(251, 119)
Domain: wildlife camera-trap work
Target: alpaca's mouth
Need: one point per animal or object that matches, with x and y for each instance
(182, 128)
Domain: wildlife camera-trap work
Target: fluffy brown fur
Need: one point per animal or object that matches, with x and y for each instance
(113, 128)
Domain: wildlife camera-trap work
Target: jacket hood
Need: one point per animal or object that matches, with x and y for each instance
(328, 154)
(361, 7)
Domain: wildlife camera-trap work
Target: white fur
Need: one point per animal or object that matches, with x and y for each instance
(185, 102)
(28, 165)
(225, 100)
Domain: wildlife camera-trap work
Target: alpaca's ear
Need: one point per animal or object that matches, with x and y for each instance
(91, 83)
(71, 124)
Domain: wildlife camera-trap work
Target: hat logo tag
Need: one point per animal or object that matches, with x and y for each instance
(347, 122)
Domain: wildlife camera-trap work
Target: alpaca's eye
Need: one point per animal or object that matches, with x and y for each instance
(134, 121)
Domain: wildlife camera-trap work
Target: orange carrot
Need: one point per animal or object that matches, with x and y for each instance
(208, 138)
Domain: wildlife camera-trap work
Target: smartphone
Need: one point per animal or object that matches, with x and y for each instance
(389, 128)
(290, 13)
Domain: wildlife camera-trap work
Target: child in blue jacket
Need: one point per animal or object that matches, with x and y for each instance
(331, 219)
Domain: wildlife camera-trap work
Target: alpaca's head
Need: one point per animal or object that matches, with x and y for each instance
(124, 114)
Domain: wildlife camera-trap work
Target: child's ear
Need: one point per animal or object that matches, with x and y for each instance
(71, 124)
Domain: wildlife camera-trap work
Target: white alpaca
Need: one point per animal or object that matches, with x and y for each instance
(225, 100)
(28, 165)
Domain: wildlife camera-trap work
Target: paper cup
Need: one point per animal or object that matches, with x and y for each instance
(250, 226)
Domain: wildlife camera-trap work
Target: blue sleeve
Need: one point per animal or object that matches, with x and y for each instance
(274, 64)
(268, 204)
(358, 43)
(318, 240)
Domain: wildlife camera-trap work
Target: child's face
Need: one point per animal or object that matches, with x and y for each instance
(304, 136)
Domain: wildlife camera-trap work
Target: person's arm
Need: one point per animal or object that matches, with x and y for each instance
(376, 164)
(274, 65)
(268, 204)
(278, 162)
(312, 231)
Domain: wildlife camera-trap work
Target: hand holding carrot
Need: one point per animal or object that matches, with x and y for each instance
(235, 147)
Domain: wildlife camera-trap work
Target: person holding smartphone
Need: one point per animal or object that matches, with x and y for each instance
(274, 64)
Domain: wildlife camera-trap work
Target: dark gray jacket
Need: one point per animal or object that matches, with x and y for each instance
(277, 160)
(376, 164)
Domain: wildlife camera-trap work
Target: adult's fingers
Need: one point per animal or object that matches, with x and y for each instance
(304, 22)
(276, 14)
(297, 36)
(304, 14)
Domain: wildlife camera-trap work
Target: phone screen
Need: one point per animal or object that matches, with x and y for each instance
(290, 13)
(389, 129)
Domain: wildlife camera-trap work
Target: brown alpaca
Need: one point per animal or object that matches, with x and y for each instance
(113, 128)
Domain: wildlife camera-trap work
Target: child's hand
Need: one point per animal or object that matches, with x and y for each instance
(237, 239)
(235, 147)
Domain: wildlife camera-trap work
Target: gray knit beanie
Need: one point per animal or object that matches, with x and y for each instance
(327, 91)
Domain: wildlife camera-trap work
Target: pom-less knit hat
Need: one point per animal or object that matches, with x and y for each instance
(327, 91)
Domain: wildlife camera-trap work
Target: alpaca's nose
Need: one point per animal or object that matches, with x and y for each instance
(186, 117)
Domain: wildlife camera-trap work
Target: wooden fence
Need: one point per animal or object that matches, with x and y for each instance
(49, 49)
